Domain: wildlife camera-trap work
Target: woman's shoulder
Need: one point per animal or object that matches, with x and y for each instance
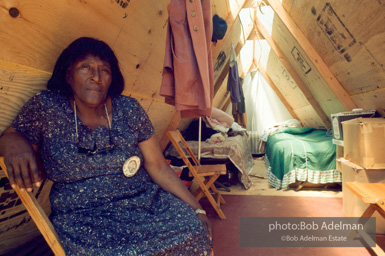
(126, 101)
(46, 98)
(48, 95)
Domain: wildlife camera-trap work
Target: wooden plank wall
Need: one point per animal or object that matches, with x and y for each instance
(17, 84)
(349, 35)
(34, 32)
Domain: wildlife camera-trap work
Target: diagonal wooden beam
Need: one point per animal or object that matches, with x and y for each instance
(222, 46)
(237, 6)
(277, 91)
(230, 19)
(313, 56)
(227, 99)
(290, 69)
(254, 3)
(238, 36)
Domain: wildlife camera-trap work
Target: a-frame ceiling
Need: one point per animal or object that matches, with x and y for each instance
(325, 56)
(317, 89)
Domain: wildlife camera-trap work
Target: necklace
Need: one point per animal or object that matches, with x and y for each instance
(130, 166)
(76, 120)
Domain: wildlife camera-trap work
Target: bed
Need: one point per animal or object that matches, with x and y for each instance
(300, 154)
(234, 148)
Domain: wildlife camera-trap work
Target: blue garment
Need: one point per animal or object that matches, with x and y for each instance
(234, 84)
(96, 210)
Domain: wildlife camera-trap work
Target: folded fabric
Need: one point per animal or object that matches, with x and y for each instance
(217, 138)
(219, 120)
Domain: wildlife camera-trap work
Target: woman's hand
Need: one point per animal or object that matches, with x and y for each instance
(206, 224)
(162, 174)
(20, 160)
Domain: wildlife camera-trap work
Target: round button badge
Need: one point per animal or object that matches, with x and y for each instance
(131, 166)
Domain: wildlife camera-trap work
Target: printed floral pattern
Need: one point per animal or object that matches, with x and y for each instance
(96, 210)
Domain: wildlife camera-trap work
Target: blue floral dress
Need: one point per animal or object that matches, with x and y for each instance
(96, 210)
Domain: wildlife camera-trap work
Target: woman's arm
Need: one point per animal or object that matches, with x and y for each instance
(162, 174)
(20, 160)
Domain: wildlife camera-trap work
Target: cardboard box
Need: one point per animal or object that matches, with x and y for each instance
(338, 136)
(352, 204)
(364, 142)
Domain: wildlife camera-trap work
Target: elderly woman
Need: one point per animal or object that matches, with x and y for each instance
(113, 192)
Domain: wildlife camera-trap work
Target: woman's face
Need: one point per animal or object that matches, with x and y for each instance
(90, 78)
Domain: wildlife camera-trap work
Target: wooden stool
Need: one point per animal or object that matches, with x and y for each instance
(373, 194)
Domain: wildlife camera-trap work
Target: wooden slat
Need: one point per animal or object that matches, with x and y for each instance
(18, 84)
(278, 92)
(314, 57)
(348, 35)
(176, 137)
(290, 69)
(238, 36)
(371, 193)
(221, 48)
(253, 3)
(39, 217)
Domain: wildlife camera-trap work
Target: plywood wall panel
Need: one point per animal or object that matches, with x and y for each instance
(285, 82)
(220, 96)
(305, 69)
(141, 46)
(350, 38)
(35, 32)
(160, 115)
(17, 85)
(309, 118)
(220, 7)
(372, 100)
(36, 36)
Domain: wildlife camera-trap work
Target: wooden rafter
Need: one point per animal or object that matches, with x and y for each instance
(221, 73)
(221, 45)
(253, 3)
(277, 91)
(257, 66)
(230, 19)
(313, 56)
(290, 69)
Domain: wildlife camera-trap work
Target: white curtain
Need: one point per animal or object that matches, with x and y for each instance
(263, 107)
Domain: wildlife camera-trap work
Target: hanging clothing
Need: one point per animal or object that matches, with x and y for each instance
(188, 76)
(234, 86)
(233, 83)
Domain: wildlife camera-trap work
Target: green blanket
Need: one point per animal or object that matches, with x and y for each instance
(303, 154)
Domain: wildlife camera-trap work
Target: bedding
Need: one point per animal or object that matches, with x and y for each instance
(300, 154)
(235, 148)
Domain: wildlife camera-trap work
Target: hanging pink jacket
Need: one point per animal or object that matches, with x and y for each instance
(188, 78)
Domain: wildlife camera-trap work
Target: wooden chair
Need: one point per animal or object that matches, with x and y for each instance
(374, 195)
(210, 173)
(39, 217)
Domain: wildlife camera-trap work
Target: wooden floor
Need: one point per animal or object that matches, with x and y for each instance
(261, 187)
(261, 200)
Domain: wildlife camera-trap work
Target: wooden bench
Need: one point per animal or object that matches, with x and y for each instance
(374, 195)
